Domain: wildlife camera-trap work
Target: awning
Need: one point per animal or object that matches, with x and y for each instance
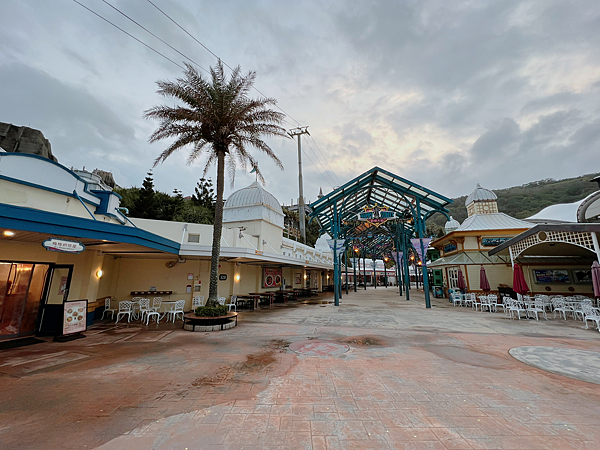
(104, 236)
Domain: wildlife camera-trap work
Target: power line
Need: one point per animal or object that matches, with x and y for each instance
(325, 159)
(130, 35)
(154, 35)
(308, 143)
(215, 55)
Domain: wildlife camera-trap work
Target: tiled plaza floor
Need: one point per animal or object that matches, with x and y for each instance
(412, 379)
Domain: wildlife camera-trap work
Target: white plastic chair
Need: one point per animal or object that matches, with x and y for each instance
(144, 307)
(156, 303)
(152, 312)
(197, 301)
(457, 298)
(517, 307)
(221, 301)
(176, 310)
(560, 307)
(536, 307)
(590, 313)
(125, 308)
(107, 308)
(232, 302)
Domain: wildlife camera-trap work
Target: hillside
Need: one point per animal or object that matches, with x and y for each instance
(526, 200)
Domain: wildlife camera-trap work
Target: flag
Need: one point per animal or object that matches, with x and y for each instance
(253, 170)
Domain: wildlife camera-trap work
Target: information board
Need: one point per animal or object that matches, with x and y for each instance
(74, 317)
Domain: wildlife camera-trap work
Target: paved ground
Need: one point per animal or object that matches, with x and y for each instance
(412, 378)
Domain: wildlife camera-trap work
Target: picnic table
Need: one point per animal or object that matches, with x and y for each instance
(251, 299)
(270, 296)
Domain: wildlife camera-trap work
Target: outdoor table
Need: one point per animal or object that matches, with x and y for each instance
(167, 302)
(252, 297)
(268, 295)
(279, 294)
(292, 292)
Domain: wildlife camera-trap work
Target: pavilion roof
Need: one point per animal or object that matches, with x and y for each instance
(376, 186)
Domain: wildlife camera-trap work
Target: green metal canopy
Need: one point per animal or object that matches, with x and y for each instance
(408, 204)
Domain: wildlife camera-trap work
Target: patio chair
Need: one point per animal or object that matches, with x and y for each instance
(107, 308)
(590, 313)
(176, 310)
(144, 307)
(152, 312)
(560, 307)
(503, 303)
(197, 302)
(492, 302)
(125, 308)
(156, 303)
(537, 307)
(221, 301)
(517, 307)
(457, 298)
(485, 302)
(469, 299)
(232, 302)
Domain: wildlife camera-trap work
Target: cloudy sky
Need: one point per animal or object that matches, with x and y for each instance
(446, 94)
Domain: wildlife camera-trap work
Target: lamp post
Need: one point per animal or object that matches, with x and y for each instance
(354, 266)
(385, 260)
(412, 263)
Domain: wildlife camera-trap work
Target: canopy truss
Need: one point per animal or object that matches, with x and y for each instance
(412, 204)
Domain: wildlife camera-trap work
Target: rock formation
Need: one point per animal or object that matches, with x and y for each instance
(24, 140)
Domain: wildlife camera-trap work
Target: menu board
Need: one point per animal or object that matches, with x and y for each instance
(74, 317)
(271, 277)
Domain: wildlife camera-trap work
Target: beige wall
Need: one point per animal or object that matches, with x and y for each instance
(496, 274)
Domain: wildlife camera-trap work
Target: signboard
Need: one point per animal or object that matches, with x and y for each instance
(493, 242)
(74, 317)
(63, 245)
(223, 277)
(450, 248)
(546, 276)
(271, 277)
(377, 215)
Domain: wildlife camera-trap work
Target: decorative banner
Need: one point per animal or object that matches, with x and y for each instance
(271, 277)
(377, 215)
(63, 245)
(369, 235)
(74, 317)
(339, 247)
(397, 257)
(416, 243)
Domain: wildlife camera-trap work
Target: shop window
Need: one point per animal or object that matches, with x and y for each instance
(194, 238)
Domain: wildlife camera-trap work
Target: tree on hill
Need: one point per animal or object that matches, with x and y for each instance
(145, 204)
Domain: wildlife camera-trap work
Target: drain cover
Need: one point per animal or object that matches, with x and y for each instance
(317, 347)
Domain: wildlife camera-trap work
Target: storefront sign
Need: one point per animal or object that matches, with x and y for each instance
(377, 215)
(63, 245)
(271, 277)
(74, 317)
(223, 277)
(493, 242)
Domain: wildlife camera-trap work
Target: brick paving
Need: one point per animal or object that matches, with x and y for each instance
(413, 379)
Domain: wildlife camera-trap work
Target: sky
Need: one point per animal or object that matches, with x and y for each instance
(445, 94)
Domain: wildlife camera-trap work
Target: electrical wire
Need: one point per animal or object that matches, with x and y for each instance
(316, 156)
(154, 35)
(130, 35)
(325, 159)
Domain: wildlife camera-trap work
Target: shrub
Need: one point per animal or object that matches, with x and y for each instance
(208, 311)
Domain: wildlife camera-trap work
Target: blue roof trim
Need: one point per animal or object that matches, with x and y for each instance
(34, 220)
(29, 155)
(46, 188)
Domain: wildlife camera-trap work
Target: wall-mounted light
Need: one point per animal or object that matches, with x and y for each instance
(99, 273)
(305, 276)
(8, 233)
(237, 278)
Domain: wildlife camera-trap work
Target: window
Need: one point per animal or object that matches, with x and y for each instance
(453, 277)
(194, 238)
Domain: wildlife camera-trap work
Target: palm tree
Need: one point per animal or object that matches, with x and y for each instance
(220, 122)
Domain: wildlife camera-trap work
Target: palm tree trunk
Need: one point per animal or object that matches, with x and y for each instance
(218, 226)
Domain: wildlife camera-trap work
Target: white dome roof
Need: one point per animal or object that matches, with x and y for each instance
(322, 245)
(480, 194)
(452, 224)
(253, 195)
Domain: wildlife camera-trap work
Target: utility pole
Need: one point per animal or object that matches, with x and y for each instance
(299, 132)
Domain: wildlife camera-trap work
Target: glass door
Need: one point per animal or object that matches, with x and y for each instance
(21, 287)
(55, 293)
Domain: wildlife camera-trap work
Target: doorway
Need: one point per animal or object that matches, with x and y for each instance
(56, 292)
(21, 289)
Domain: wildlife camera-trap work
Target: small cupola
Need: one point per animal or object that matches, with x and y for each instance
(481, 201)
(451, 225)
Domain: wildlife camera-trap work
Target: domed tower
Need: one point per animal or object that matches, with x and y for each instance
(451, 225)
(481, 201)
(255, 212)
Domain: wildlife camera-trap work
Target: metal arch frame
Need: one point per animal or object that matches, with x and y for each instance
(348, 199)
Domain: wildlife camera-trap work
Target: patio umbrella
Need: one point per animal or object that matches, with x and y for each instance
(519, 284)
(596, 278)
(484, 284)
(461, 281)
